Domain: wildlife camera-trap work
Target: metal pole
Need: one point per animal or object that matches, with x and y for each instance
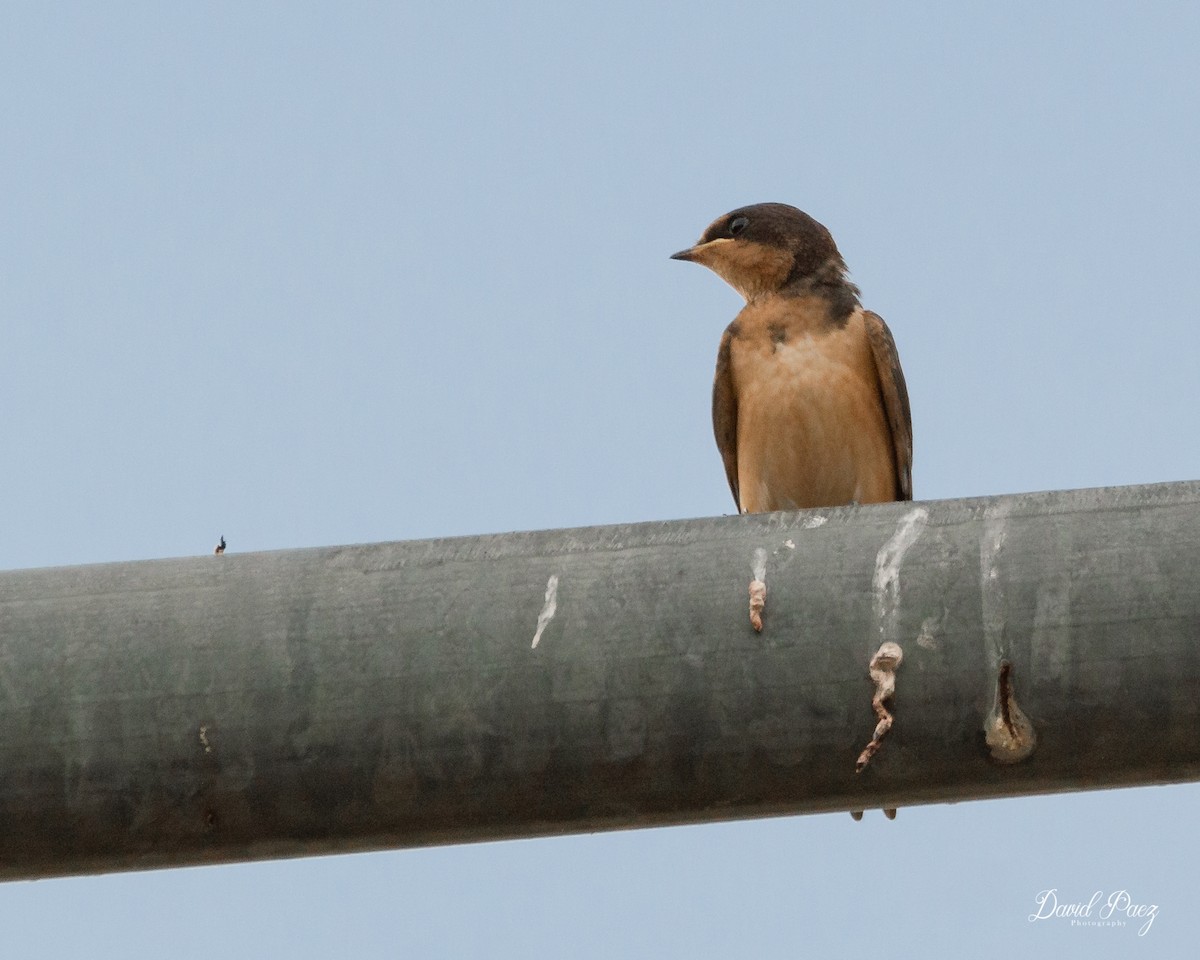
(240, 707)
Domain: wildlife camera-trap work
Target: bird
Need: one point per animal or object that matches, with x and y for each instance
(810, 408)
(220, 547)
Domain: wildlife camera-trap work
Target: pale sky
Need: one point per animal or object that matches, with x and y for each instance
(306, 274)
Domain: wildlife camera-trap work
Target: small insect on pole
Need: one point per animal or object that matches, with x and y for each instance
(238, 707)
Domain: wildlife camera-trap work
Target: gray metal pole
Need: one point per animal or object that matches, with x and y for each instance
(265, 705)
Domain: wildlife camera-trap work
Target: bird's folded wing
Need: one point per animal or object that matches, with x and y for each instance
(725, 416)
(895, 399)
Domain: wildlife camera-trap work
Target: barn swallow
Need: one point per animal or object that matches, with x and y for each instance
(810, 408)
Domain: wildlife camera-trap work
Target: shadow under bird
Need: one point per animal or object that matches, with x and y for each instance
(810, 408)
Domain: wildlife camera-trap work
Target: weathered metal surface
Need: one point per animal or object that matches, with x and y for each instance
(238, 707)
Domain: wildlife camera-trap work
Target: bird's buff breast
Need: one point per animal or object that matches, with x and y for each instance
(810, 425)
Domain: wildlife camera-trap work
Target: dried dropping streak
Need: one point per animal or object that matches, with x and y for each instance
(883, 669)
(548, 609)
(1009, 732)
(758, 589)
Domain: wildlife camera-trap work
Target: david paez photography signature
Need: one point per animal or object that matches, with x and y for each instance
(1118, 909)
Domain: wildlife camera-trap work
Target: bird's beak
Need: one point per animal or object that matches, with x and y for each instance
(703, 252)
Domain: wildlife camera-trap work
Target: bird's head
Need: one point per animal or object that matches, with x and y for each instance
(765, 248)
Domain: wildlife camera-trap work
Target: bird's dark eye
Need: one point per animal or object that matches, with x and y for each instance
(738, 225)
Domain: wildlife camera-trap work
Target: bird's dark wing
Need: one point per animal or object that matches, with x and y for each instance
(725, 415)
(895, 399)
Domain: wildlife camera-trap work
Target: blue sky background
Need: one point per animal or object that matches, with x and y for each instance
(306, 274)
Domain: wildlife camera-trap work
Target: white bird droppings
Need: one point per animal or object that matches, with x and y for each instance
(991, 549)
(548, 609)
(887, 564)
(759, 564)
(930, 628)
